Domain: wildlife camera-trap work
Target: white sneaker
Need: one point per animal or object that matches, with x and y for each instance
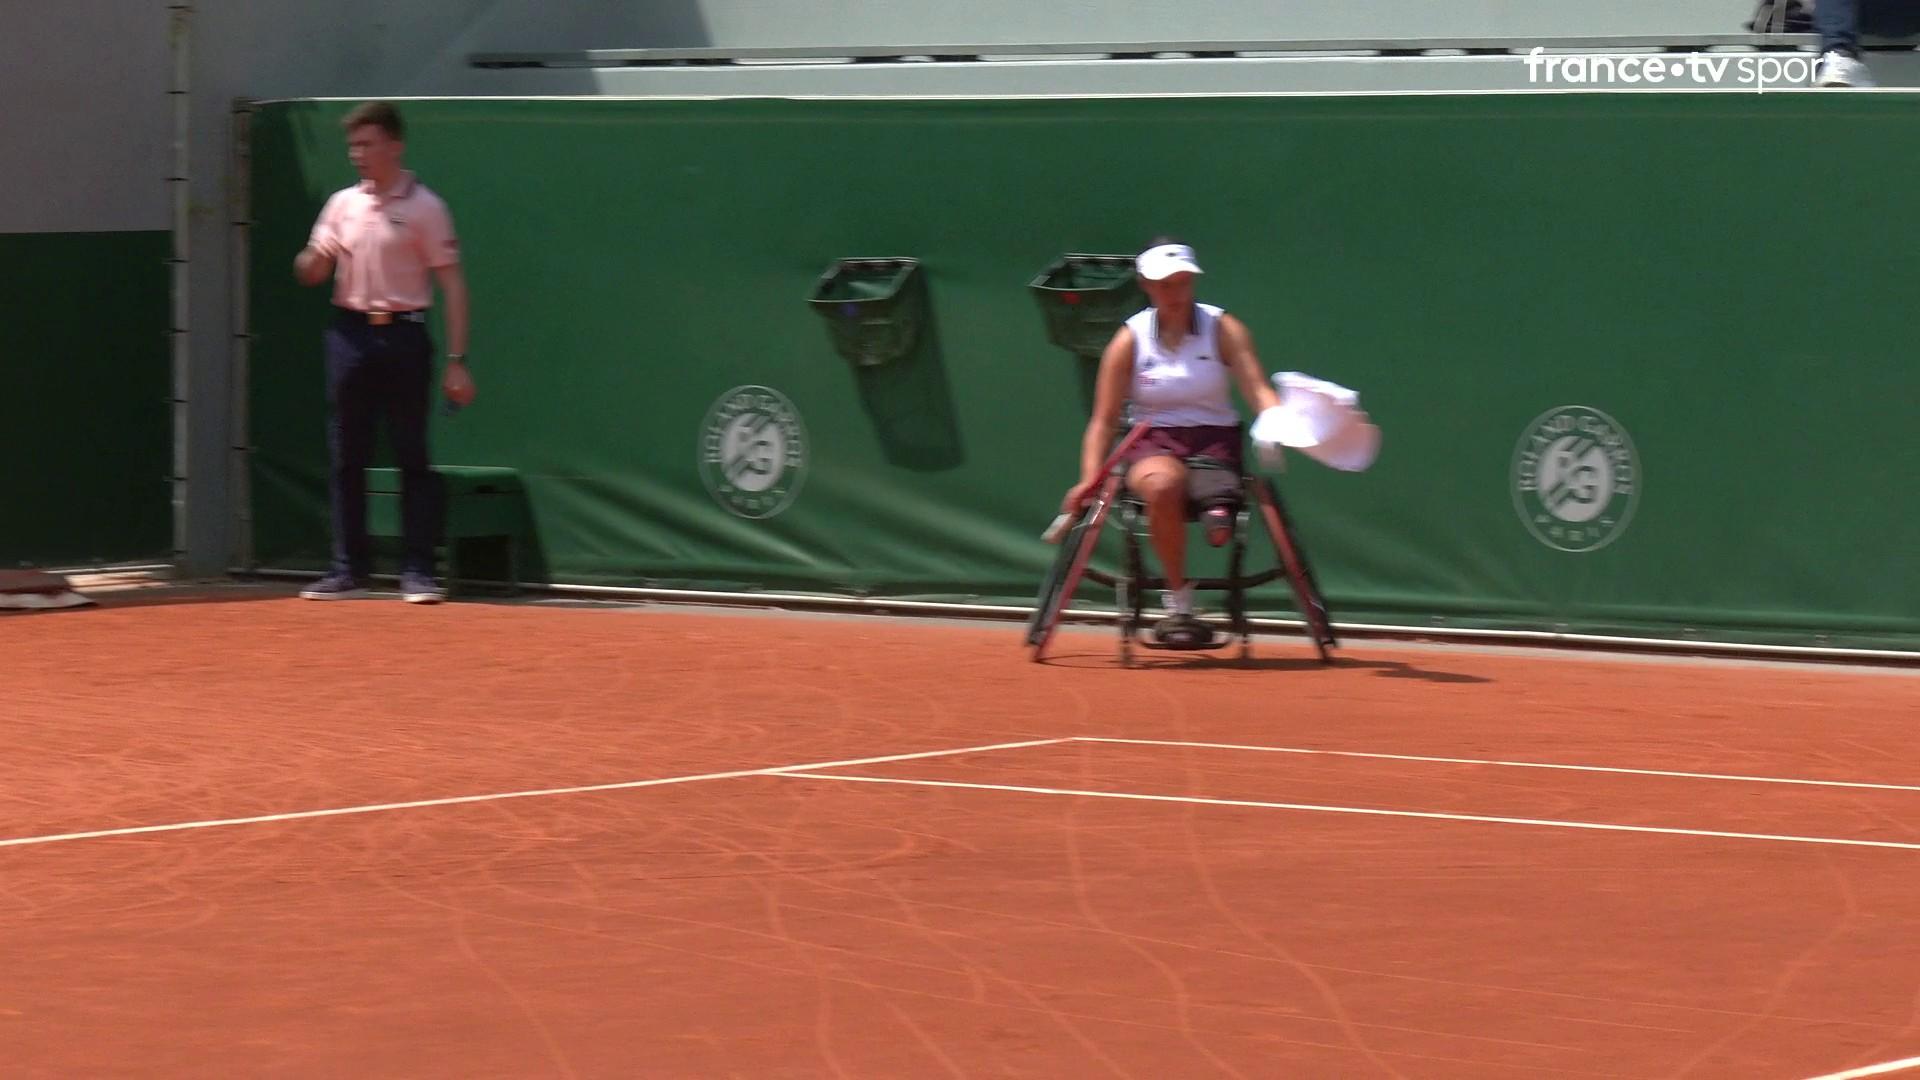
(1839, 69)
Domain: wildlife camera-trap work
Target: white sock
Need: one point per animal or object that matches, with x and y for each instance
(1178, 601)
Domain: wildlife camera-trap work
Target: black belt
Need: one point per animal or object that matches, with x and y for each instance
(381, 318)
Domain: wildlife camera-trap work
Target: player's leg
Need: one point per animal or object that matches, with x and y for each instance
(1161, 483)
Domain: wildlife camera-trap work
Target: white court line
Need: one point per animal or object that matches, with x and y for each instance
(628, 785)
(1324, 809)
(1873, 1070)
(1513, 764)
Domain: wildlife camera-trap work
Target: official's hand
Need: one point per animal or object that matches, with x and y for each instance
(1076, 495)
(457, 384)
(311, 268)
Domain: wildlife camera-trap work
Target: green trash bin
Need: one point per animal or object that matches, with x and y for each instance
(478, 502)
(875, 309)
(1085, 299)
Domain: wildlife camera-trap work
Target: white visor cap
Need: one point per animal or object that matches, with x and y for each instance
(1166, 260)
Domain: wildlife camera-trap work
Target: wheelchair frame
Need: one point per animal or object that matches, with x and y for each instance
(1073, 563)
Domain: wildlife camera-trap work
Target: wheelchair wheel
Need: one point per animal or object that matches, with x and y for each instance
(1129, 595)
(1237, 623)
(1306, 592)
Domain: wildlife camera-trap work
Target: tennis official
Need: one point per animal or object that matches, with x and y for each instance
(381, 240)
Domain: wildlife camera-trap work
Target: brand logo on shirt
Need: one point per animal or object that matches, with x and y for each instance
(1575, 478)
(753, 451)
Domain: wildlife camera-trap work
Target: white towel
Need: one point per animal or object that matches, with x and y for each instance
(1319, 418)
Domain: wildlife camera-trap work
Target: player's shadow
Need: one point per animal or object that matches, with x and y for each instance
(1384, 669)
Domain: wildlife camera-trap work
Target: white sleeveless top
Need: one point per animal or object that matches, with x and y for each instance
(1185, 386)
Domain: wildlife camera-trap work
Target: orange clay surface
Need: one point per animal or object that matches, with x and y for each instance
(975, 912)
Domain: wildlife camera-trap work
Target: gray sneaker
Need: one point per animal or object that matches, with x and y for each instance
(418, 588)
(335, 587)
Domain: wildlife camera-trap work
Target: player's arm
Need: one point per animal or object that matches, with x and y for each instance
(1236, 349)
(1109, 395)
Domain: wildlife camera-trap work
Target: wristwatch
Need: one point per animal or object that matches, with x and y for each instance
(456, 358)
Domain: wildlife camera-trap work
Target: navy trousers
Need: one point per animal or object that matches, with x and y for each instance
(1841, 22)
(377, 373)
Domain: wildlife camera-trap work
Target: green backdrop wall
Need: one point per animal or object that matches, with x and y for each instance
(1702, 319)
(84, 370)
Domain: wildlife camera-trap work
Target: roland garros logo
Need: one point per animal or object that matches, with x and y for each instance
(1576, 478)
(753, 451)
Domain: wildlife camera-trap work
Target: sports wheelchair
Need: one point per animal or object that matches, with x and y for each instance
(1211, 485)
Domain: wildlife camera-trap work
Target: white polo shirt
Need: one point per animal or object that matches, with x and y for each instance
(385, 243)
(1186, 385)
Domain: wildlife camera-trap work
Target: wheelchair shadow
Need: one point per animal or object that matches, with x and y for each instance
(1383, 669)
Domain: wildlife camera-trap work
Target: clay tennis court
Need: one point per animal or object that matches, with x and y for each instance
(242, 835)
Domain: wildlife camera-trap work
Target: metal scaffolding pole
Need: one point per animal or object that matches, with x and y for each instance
(179, 27)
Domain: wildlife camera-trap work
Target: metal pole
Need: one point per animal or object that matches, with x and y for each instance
(179, 26)
(240, 358)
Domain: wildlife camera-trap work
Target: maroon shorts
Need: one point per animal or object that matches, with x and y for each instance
(1219, 443)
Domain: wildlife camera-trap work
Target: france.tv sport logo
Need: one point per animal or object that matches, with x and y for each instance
(1754, 71)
